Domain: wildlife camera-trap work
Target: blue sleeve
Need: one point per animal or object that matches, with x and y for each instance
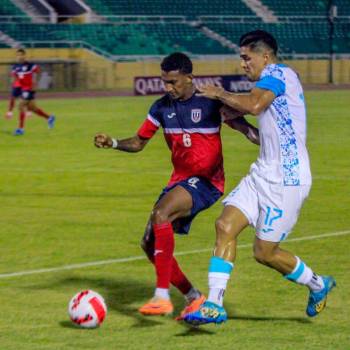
(155, 113)
(277, 86)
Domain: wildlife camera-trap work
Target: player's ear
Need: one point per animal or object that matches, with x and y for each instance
(266, 57)
(189, 78)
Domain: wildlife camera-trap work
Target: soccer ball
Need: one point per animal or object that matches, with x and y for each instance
(87, 309)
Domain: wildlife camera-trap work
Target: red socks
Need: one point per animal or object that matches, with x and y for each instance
(163, 253)
(167, 268)
(178, 278)
(22, 117)
(40, 112)
(12, 103)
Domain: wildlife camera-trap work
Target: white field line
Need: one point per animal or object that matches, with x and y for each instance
(135, 258)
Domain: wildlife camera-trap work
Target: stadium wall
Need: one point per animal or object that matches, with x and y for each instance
(81, 69)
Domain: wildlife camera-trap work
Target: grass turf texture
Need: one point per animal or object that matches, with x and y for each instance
(65, 202)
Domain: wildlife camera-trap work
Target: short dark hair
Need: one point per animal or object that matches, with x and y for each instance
(177, 61)
(21, 51)
(256, 38)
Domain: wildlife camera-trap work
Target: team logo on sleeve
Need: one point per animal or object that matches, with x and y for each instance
(196, 115)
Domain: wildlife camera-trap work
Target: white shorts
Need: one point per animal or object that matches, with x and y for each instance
(272, 209)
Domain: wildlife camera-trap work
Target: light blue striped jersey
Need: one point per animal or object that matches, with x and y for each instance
(283, 154)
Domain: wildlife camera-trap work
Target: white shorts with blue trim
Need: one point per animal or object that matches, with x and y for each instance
(272, 209)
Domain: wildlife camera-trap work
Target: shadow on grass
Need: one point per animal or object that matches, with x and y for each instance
(192, 331)
(69, 324)
(122, 296)
(269, 318)
(7, 132)
(199, 330)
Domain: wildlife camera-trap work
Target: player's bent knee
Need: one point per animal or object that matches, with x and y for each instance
(159, 216)
(147, 241)
(148, 247)
(223, 228)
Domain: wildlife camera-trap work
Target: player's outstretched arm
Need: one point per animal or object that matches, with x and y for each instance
(253, 103)
(132, 144)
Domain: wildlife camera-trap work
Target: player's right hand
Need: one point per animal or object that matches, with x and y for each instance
(103, 141)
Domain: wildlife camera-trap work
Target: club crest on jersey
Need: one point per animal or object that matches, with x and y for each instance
(196, 115)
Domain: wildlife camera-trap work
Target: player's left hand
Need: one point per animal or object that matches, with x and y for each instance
(210, 91)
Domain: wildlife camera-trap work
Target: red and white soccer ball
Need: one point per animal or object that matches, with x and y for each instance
(87, 309)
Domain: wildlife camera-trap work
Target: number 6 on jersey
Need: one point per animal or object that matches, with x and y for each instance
(186, 138)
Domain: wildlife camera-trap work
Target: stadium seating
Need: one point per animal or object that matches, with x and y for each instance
(292, 37)
(189, 8)
(162, 37)
(343, 7)
(8, 9)
(126, 39)
(27, 32)
(342, 38)
(297, 7)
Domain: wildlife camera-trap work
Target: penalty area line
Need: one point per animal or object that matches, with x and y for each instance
(135, 258)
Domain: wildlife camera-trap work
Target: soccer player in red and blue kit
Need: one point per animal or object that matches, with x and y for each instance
(24, 72)
(16, 92)
(191, 126)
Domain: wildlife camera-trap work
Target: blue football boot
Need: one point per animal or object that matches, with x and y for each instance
(18, 132)
(317, 300)
(51, 121)
(208, 313)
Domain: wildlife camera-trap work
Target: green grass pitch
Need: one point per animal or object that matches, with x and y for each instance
(65, 202)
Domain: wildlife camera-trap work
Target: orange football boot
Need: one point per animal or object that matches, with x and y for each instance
(193, 306)
(157, 307)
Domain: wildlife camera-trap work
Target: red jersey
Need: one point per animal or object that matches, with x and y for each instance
(24, 74)
(192, 132)
(16, 83)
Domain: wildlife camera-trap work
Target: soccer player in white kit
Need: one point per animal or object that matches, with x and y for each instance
(270, 197)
